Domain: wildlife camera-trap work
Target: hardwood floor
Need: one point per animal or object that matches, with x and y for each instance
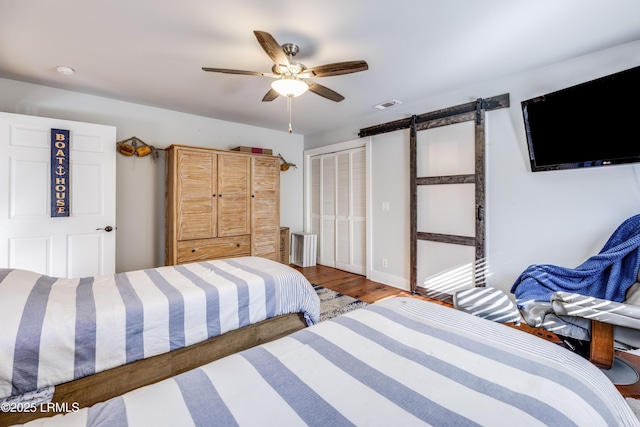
(360, 287)
(354, 285)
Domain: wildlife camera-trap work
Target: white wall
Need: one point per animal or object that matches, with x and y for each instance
(390, 238)
(140, 182)
(559, 217)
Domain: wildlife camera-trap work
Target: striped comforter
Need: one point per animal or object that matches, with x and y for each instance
(55, 330)
(400, 362)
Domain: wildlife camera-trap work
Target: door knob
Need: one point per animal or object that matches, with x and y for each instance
(108, 228)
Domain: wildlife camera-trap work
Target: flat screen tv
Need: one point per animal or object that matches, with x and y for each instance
(596, 123)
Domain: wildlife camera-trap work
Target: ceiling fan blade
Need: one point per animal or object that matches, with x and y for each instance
(324, 91)
(230, 71)
(270, 96)
(338, 68)
(272, 47)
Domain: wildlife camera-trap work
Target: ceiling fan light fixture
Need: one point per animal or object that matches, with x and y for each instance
(289, 86)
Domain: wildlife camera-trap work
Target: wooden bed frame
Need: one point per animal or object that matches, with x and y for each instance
(104, 385)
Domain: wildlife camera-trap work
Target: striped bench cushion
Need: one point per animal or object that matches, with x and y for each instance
(489, 303)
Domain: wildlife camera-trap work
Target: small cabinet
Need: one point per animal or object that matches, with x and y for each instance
(220, 204)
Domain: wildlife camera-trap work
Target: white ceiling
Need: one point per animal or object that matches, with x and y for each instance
(151, 51)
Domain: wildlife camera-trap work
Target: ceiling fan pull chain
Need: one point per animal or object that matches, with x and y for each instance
(289, 97)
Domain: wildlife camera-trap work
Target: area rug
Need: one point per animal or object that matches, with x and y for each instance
(333, 303)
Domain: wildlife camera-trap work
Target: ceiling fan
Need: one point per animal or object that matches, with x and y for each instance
(292, 77)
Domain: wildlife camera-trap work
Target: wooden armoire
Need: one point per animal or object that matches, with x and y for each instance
(221, 204)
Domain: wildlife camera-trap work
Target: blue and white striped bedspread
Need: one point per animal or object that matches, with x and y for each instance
(55, 330)
(400, 362)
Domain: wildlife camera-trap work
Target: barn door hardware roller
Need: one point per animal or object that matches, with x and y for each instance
(482, 104)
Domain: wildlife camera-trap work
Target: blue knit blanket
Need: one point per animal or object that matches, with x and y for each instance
(607, 275)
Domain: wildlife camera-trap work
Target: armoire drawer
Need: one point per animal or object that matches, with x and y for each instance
(219, 247)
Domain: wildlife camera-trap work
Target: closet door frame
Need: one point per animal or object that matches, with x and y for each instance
(308, 192)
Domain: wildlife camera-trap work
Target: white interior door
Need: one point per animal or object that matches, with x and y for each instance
(351, 211)
(338, 209)
(75, 246)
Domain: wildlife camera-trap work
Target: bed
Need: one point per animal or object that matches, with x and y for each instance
(402, 361)
(68, 331)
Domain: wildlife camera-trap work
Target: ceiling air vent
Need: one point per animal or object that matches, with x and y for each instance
(387, 104)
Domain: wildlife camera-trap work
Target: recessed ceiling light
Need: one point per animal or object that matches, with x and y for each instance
(63, 69)
(385, 105)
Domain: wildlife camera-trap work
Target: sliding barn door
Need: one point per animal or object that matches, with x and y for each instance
(338, 209)
(450, 246)
(447, 195)
(447, 149)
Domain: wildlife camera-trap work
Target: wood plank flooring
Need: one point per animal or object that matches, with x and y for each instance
(354, 285)
(360, 287)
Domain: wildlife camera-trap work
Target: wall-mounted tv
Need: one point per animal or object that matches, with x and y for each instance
(596, 123)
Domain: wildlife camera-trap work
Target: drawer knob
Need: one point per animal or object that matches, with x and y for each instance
(238, 245)
(193, 250)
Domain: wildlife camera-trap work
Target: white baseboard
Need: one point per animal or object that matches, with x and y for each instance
(389, 279)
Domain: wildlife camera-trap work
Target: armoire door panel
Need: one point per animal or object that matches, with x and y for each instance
(196, 170)
(195, 219)
(265, 205)
(234, 210)
(196, 190)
